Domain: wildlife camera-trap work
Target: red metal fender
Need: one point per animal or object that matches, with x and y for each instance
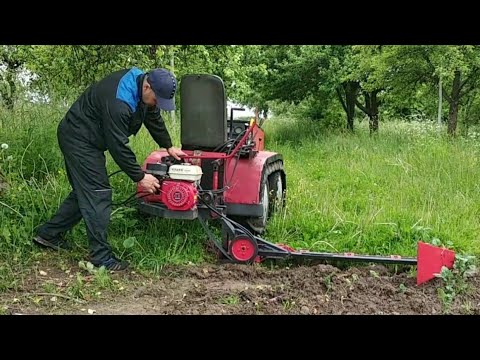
(244, 185)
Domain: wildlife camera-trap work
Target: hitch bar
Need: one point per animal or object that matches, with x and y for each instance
(279, 251)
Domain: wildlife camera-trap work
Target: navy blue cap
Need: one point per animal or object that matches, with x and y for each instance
(164, 85)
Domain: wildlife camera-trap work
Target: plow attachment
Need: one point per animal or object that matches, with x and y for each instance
(430, 259)
(241, 246)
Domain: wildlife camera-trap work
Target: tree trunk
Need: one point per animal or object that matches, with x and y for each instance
(454, 104)
(350, 91)
(371, 105)
(452, 119)
(439, 118)
(373, 123)
(9, 96)
(371, 109)
(373, 112)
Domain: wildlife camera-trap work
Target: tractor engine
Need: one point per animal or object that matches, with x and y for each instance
(179, 184)
(179, 195)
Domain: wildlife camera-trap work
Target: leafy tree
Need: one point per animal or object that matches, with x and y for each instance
(12, 59)
(456, 68)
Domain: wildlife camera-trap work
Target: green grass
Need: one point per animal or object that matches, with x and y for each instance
(375, 195)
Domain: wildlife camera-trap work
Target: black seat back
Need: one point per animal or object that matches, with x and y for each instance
(203, 112)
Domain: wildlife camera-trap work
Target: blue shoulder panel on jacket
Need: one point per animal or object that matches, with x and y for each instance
(127, 89)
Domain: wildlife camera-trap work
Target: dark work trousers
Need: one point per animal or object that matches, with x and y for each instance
(91, 197)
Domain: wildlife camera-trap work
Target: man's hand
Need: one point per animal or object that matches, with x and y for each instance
(176, 153)
(150, 183)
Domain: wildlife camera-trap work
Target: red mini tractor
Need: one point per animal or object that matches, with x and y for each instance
(226, 171)
(228, 175)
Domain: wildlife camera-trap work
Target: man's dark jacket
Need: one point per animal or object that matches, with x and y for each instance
(110, 111)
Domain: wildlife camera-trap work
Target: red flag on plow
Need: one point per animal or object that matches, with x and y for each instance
(431, 259)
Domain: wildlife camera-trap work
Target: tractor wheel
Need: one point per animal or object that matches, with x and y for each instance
(272, 196)
(258, 224)
(276, 191)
